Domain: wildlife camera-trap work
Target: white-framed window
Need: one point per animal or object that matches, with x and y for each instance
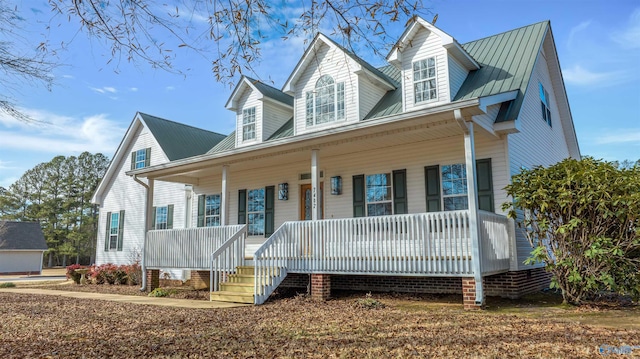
(325, 103)
(424, 80)
(114, 230)
(249, 124)
(378, 194)
(161, 217)
(255, 212)
(212, 210)
(141, 158)
(454, 187)
(545, 104)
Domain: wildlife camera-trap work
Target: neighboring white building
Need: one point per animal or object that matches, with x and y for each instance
(425, 144)
(21, 247)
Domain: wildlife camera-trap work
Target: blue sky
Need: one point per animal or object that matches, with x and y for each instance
(93, 102)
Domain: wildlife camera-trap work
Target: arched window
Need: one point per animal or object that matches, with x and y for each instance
(326, 102)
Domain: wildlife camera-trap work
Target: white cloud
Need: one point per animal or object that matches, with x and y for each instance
(576, 29)
(627, 136)
(578, 75)
(169, 88)
(629, 37)
(133, 89)
(104, 90)
(61, 135)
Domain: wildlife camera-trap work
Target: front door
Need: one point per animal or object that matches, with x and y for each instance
(306, 202)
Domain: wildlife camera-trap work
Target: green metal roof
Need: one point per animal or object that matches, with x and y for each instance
(228, 143)
(178, 140)
(271, 92)
(285, 130)
(507, 61)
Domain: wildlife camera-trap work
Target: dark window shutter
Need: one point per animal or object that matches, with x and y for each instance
(147, 157)
(400, 192)
(269, 210)
(242, 206)
(358, 196)
(108, 233)
(154, 211)
(120, 230)
(133, 160)
(485, 184)
(201, 199)
(432, 187)
(170, 216)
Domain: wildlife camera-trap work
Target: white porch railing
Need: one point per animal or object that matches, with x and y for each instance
(227, 258)
(435, 244)
(188, 248)
(494, 242)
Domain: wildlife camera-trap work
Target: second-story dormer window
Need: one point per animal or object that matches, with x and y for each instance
(249, 124)
(326, 102)
(424, 80)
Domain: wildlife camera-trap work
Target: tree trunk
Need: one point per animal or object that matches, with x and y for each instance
(50, 264)
(64, 260)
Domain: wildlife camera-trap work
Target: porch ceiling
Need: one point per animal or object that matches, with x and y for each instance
(331, 143)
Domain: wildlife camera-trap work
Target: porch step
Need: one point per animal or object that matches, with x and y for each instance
(235, 297)
(241, 278)
(246, 270)
(237, 287)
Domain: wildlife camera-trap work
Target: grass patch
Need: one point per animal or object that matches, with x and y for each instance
(7, 285)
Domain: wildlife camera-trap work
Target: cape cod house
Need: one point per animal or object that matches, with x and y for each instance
(351, 176)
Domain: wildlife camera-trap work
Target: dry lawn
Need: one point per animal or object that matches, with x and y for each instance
(57, 327)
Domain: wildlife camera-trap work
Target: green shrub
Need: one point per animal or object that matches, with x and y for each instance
(72, 274)
(7, 285)
(583, 220)
(160, 292)
(368, 302)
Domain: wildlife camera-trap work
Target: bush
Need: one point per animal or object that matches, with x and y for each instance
(583, 220)
(72, 274)
(109, 273)
(368, 302)
(160, 292)
(134, 274)
(7, 285)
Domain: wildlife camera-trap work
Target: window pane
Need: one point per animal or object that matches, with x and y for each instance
(255, 201)
(309, 106)
(379, 209)
(456, 203)
(255, 224)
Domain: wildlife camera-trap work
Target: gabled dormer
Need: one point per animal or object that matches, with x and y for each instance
(332, 87)
(432, 63)
(260, 111)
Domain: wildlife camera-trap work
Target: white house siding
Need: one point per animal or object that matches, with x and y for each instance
(369, 95)
(20, 261)
(126, 194)
(536, 143)
(457, 75)
(248, 99)
(274, 117)
(487, 120)
(413, 157)
(425, 44)
(328, 61)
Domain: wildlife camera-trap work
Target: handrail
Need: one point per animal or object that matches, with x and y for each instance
(225, 259)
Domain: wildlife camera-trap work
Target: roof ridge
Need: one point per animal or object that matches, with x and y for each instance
(264, 83)
(182, 124)
(504, 32)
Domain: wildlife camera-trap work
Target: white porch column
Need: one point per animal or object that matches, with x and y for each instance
(470, 161)
(315, 185)
(224, 215)
(149, 207)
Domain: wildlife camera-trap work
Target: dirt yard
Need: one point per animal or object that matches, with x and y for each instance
(296, 327)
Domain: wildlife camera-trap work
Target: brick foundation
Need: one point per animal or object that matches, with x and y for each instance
(320, 286)
(516, 284)
(469, 294)
(200, 279)
(507, 285)
(153, 279)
